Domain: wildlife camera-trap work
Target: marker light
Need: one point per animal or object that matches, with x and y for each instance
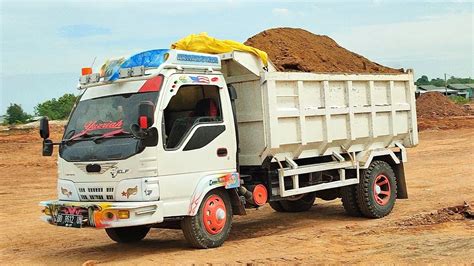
(47, 211)
(123, 214)
(86, 71)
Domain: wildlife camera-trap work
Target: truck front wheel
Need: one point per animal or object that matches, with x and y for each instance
(210, 227)
(127, 234)
(377, 190)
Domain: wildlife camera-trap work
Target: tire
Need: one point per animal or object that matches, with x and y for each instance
(300, 205)
(377, 191)
(276, 205)
(127, 234)
(216, 232)
(349, 201)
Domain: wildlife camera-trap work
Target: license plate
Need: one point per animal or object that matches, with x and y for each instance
(69, 220)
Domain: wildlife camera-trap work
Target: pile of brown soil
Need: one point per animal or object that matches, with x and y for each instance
(293, 49)
(448, 214)
(435, 105)
(445, 123)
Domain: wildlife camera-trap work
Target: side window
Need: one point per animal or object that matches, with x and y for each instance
(192, 105)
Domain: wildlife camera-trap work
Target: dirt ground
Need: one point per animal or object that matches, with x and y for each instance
(439, 174)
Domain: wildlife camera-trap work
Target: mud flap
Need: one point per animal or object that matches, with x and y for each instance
(402, 192)
(238, 207)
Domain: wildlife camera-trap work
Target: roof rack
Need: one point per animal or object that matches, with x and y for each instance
(138, 66)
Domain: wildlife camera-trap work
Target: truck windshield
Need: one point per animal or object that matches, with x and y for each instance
(108, 119)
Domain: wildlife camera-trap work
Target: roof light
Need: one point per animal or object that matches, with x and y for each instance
(84, 79)
(124, 73)
(138, 71)
(90, 78)
(86, 71)
(93, 78)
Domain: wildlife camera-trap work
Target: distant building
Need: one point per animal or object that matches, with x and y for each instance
(464, 90)
(431, 88)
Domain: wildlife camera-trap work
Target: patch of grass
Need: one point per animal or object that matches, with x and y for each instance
(459, 100)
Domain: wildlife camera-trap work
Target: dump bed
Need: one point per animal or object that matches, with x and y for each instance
(301, 115)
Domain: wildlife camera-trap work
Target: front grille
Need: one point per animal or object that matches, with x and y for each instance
(95, 189)
(89, 192)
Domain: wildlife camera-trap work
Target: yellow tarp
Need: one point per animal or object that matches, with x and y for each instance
(203, 43)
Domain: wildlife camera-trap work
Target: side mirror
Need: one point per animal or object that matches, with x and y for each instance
(44, 128)
(146, 112)
(47, 147)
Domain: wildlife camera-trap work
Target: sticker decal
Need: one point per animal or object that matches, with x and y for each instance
(130, 192)
(95, 125)
(232, 180)
(197, 58)
(199, 79)
(103, 167)
(183, 79)
(66, 192)
(72, 210)
(194, 204)
(115, 171)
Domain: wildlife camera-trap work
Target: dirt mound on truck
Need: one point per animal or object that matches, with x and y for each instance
(292, 49)
(435, 105)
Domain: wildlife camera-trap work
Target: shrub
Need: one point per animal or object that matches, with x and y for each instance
(56, 109)
(16, 115)
(459, 100)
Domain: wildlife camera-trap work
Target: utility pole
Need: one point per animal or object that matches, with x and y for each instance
(445, 84)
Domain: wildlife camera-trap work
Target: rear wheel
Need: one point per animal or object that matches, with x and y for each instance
(377, 190)
(349, 201)
(127, 234)
(301, 204)
(210, 227)
(276, 205)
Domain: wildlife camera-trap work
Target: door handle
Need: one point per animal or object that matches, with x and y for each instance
(222, 152)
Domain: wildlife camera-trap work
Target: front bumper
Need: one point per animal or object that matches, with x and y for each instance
(105, 214)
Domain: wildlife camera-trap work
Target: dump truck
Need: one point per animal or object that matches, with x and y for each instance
(178, 139)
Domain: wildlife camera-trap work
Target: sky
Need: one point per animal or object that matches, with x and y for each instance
(44, 44)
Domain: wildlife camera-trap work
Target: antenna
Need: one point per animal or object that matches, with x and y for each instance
(93, 61)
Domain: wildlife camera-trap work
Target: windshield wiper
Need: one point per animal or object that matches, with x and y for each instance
(83, 135)
(111, 134)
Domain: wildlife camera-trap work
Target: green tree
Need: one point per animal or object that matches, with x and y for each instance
(437, 82)
(423, 81)
(455, 80)
(56, 109)
(16, 115)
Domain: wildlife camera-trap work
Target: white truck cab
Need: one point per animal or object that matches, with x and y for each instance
(160, 139)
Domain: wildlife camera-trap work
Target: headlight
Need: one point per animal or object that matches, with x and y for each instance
(139, 189)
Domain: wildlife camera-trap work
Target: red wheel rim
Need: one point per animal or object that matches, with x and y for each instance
(381, 190)
(214, 214)
(260, 195)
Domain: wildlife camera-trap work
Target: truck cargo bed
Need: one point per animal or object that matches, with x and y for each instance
(300, 115)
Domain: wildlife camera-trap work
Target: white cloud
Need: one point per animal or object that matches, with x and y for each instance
(446, 41)
(280, 11)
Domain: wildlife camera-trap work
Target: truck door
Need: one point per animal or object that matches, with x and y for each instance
(198, 134)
